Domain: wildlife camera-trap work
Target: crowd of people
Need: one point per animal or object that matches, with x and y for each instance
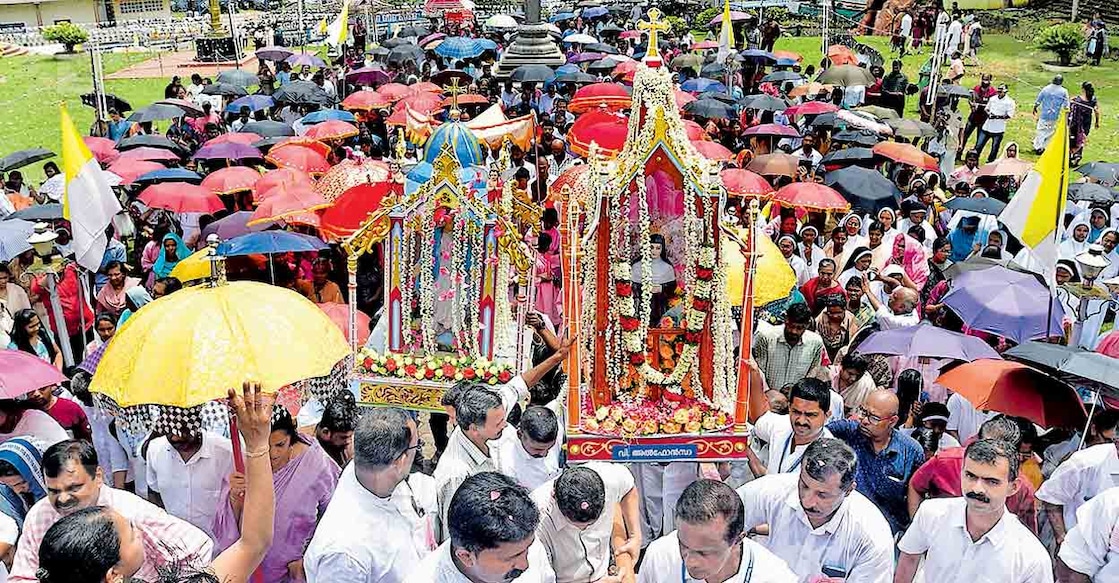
(861, 466)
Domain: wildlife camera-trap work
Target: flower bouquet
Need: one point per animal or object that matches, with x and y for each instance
(647, 418)
(438, 368)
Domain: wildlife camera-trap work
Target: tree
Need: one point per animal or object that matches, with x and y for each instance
(1062, 39)
(67, 33)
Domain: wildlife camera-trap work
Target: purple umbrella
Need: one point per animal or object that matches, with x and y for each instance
(431, 38)
(927, 340)
(368, 76)
(227, 151)
(233, 226)
(93, 359)
(273, 53)
(21, 373)
(305, 59)
(1005, 302)
(585, 57)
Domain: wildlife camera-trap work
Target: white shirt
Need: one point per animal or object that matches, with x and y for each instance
(814, 156)
(191, 490)
(1092, 547)
(955, 33)
(964, 418)
(777, 431)
(888, 320)
(528, 471)
(663, 563)
(906, 25)
(438, 567)
(362, 538)
(856, 540)
(1008, 552)
(574, 552)
(998, 106)
(1083, 476)
(37, 424)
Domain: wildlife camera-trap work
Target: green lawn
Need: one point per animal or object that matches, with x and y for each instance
(31, 88)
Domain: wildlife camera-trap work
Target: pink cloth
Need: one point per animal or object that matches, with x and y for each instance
(913, 260)
(1109, 345)
(167, 540)
(549, 300)
(303, 490)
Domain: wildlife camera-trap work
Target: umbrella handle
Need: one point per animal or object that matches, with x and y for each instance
(239, 466)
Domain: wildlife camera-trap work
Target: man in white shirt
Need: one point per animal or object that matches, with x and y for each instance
(1090, 552)
(900, 312)
(378, 525)
(807, 151)
(790, 435)
(532, 458)
(818, 524)
(1083, 476)
(974, 538)
(185, 472)
(577, 512)
(1000, 108)
(905, 31)
(492, 523)
(710, 543)
(955, 35)
(964, 420)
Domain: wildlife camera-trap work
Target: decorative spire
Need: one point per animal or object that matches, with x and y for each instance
(653, 26)
(454, 89)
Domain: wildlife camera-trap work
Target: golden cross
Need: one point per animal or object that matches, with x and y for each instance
(653, 26)
(454, 89)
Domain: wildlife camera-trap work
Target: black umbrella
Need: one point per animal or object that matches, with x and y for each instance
(404, 53)
(302, 93)
(416, 31)
(611, 29)
(855, 137)
(239, 77)
(268, 129)
(976, 264)
(446, 78)
(40, 212)
(824, 120)
(156, 112)
(225, 90)
(911, 128)
(782, 76)
(267, 143)
(603, 66)
(601, 48)
(981, 205)
(111, 102)
(710, 108)
(575, 77)
(864, 188)
(954, 91)
(713, 71)
(379, 52)
(1070, 364)
(23, 158)
(533, 74)
(763, 102)
(1091, 192)
(149, 140)
(849, 156)
(716, 95)
(396, 41)
(1106, 172)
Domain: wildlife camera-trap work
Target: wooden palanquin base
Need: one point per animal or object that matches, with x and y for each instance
(708, 447)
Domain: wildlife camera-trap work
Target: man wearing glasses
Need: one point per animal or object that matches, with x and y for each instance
(887, 457)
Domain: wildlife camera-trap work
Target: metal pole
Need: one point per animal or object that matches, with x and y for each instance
(1088, 423)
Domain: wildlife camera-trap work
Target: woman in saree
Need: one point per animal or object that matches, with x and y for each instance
(304, 478)
(21, 471)
(910, 254)
(171, 252)
(134, 299)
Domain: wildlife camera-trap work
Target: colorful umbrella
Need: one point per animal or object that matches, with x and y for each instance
(322, 149)
(695, 131)
(181, 198)
(1109, 345)
(811, 196)
(353, 208)
(103, 149)
(274, 178)
(340, 315)
(567, 179)
(21, 373)
(908, 154)
(468, 99)
(227, 151)
(147, 153)
(1005, 302)
(810, 89)
(702, 45)
(394, 91)
(130, 170)
(740, 182)
(268, 242)
(772, 129)
(366, 101)
(841, 55)
(245, 138)
(231, 179)
(603, 128)
(285, 200)
(811, 108)
(350, 173)
(298, 157)
(368, 76)
(1015, 167)
(233, 225)
(682, 98)
(1018, 390)
(324, 115)
(774, 165)
(611, 96)
(927, 341)
(735, 16)
(332, 130)
(196, 266)
(713, 150)
(420, 102)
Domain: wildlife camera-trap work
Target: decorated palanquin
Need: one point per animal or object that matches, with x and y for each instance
(653, 376)
(449, 255)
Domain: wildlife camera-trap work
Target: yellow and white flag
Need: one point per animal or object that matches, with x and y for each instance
(338, 31)
(726, 34)
(88, 201)
(1035, 214)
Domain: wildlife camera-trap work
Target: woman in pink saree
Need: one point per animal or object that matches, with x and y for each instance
(911, 256)
(304, 478)
(549, 300)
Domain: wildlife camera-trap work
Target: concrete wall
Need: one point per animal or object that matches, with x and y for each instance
(76, 11)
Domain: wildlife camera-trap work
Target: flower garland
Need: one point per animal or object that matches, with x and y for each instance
(439, 368)
(633, 419)
(426, 265)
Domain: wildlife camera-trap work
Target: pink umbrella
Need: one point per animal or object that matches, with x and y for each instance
(735, 16)
(340, 315)
(772, 129)
(1109, 346)
(21, 373)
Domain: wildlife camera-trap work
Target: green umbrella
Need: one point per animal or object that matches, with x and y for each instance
(846, 76)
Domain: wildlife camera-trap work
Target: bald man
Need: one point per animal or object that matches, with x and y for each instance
(887, 457)
(900, 311)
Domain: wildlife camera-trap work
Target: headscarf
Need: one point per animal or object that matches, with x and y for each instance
(843, 223)
(849, 269)
(1094, 233)
(1002, 246)
(25, 457)
(163, 266)
(962, 241)
(140, 298)
(913, 260)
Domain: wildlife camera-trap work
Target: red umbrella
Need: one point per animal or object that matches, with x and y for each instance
(695, 131)
(245, 139)
(274, 178)
(1109, 345)
(394, 91)
(611, 96)
(366, 101)
(624, 68)
(315, 145)
(231, 179)
(340, 315)
(426, 86)
(350, 173)
(811, 196)
(353, 208)
(906, 154)
(683, 98)
(841, 55)
(130, 170)
(180, 197)
(772, 129)
(713, 150)
(606, 129)
(811, 108)
(569, 177)
(148, 153)
(468, 99)
(1017, 390)
(1006, 167)
(421, 102)
(788, 55)
(334, 129)
(286, 200)
(774, 165)
(630, 34)
(740, 182)
(103, 149)
(707, 44)
(298, 157)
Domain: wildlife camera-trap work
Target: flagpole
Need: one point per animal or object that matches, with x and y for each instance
(1060, 219)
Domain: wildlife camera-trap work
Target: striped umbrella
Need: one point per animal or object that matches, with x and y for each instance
(459, 47)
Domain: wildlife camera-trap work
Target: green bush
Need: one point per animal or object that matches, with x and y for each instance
(67, 33)
(705, 16)
(1062, 39)
(679, 25)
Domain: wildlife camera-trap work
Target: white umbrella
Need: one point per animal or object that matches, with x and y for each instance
(501, 21)
(13, 237)
(580, 39)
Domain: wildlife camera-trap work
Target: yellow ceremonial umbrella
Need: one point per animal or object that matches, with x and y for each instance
(773, 278)
(196, 266)
(192, 346)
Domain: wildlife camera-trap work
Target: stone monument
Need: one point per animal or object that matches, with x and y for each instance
(533, 45)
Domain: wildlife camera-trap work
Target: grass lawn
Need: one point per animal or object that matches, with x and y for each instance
(31, 88)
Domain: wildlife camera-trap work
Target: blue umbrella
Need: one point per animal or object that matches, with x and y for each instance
(786, 62)
(267, 242)
(1005, 302)
(759, 55)
(459, 47)
(486, 44)
(13, 238)
(568, 68)
(169, 175)
(594, 12)
(561, 16)
(327, 115)
(703, 85)
(253, 102)
(38, 212)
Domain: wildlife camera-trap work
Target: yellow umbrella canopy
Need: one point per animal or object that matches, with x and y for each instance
(195, 266)
(190, 347)
(773, 279)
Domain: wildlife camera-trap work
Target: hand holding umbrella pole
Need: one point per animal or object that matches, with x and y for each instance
(252, 417)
